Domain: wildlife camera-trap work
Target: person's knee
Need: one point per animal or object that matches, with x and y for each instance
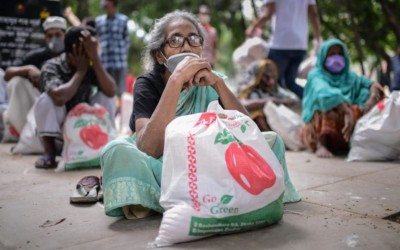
(17, 84)
(44, 102)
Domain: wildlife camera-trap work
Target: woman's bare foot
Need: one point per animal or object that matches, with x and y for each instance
(323, 152)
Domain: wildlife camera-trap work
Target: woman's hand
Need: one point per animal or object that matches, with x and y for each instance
(348, 122)
(205, 77)
(187, 69)
(377, 94)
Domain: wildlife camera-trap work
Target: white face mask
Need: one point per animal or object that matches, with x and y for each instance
(174, 60)
(56, 45)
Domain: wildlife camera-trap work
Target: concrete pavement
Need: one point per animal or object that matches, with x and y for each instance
(343, 207)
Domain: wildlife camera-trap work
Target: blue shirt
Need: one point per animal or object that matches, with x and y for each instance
(114, 40)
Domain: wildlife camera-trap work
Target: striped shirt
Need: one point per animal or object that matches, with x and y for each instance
(114, 40)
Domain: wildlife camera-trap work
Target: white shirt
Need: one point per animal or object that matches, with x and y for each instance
(290, 24)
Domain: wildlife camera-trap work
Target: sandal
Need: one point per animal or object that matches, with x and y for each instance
(86, 190)
(100, 195)
(46, 162)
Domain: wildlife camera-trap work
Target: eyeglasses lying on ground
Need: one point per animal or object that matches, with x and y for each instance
(179, 41)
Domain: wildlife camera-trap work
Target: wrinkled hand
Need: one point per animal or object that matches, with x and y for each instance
(348, 125)
(34, 76)
(78, 58)
(205, 77)
(188, 68)
(90, 44)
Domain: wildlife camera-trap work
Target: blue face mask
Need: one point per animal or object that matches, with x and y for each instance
(335, 63)
(174, 60)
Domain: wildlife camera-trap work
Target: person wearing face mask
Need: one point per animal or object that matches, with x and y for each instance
(177, 82)
(334, 99)
(211, 40)
(23, 79)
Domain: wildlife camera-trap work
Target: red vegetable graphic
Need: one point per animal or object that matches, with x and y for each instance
(93, 136)
(248, 168)
(206, 118)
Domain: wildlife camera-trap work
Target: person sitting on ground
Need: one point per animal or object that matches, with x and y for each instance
(23, 79)
(74, 77)
(132, 166)
(334, 99)
(259, 87)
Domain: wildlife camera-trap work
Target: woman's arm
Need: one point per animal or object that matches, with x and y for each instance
(228, 99)
(151, 131)
(376, 95)
(348, 120)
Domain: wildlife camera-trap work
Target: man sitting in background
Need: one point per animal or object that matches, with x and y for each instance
(76, 76)
(23, 79)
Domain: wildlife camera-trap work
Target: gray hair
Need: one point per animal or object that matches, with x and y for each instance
(157, 36)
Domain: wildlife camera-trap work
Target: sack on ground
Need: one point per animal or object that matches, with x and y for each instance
(376, 135)
(87, 129)
(219, 176)
(286, 123)
(29, 141)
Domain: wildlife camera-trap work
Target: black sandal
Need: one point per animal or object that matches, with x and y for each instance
(46, 162)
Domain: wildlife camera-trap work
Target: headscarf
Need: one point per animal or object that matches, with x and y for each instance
(325, 90)
(255, 74)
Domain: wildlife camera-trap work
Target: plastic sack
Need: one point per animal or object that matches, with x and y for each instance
(87, 129)
(10, 133)
(252, 49)
(376, 136)
(219, 176)
(286, 123)
(29, 141)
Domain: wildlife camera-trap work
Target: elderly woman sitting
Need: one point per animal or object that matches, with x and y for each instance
(259, 87)
(178, 83)
(334, 99)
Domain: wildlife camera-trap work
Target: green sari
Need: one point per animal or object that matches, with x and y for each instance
(132, 177)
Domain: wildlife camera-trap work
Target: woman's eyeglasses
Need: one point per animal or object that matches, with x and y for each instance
(179, 41)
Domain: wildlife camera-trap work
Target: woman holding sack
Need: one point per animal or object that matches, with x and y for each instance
(179, 82)
(334, 99)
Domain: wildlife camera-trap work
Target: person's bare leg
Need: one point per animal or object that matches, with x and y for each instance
(49, 145)
(262, 123)
(322, 149)
(48, 158)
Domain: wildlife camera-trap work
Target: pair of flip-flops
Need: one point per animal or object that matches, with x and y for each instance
(88, 190)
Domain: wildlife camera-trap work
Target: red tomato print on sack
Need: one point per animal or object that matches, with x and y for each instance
(206, 118)
(13, 131)
(248, 168)
(93, 136)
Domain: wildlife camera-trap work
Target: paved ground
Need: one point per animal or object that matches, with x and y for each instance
(342, 208)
